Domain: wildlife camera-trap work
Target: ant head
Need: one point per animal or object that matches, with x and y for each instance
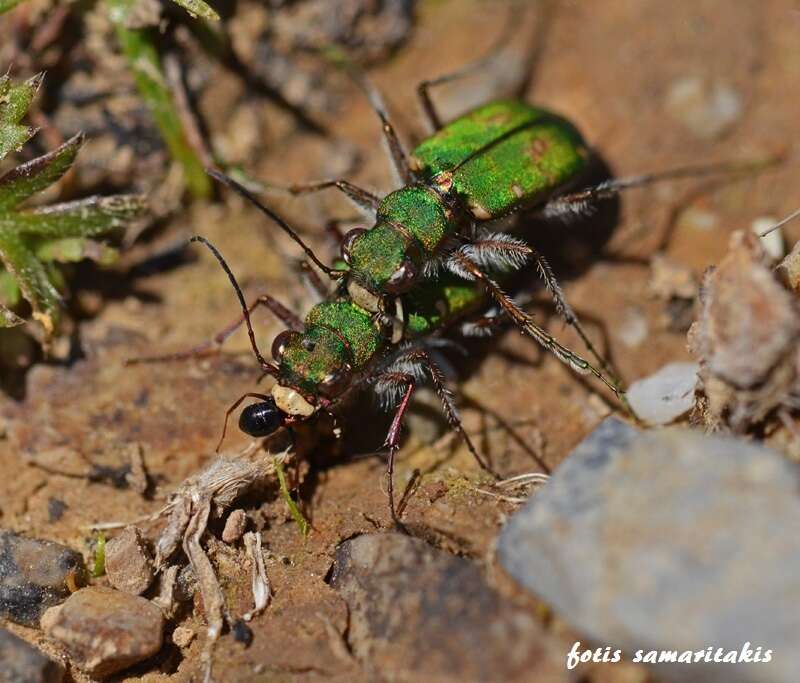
(262, 419)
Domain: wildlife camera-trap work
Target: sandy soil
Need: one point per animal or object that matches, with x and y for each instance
(610, 67)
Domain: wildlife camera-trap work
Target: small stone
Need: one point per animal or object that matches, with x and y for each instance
(105, 630)
(664, 396)
(420, 614)
(773, 242)
(23, 663)
(745, 337)
(632, 330)
(35, 575)
(183, 636)
(129, 565)
(55, 509)
(669, 540)
(671, 280)
(234, 526)
(788, 270)
(707, 108)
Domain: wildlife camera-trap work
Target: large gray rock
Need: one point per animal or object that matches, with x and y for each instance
(23, 663)
(419, 614)
(669, 540)
(35, 575)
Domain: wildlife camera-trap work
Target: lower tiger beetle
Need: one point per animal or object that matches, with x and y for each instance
(430, 259)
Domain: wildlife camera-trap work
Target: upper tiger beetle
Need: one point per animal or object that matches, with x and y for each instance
(430, 259)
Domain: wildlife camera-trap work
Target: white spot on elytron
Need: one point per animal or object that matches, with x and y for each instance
(478, 211)
(291, 402)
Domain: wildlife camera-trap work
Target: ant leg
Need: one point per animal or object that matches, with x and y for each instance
(236, 404)
(291, 320)
(581, 202)
(461, 264)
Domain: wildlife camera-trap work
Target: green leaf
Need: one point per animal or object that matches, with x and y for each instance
(9, 290)
(294, 511)
(197, 8)
(90, 217)
(6, 5)
(32, 279)
(139, 48)
(14, 103)
(27, 179)
(73, 249)
(9, 318)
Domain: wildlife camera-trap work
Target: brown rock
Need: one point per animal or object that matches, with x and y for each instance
(788, 270)
(234, 526)
(419, 614)
(23, 663)
(746, 337)
(35, 575)
(128, 562)
(104, 630)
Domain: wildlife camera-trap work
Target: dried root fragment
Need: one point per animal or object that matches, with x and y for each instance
(746, 339)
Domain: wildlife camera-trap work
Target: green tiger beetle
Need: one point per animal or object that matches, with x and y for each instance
(426, 263)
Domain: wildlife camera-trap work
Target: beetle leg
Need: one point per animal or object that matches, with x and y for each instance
(462, 265)
(406, 382)
(290, 319)
(582, 201)
(512, 24)
(568, 314)
(396, 150)
(362, 198)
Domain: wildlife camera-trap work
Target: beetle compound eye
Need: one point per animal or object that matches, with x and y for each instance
(280, 343)
(347, 242)
(402, 278)
(261, 419)
(334, 383)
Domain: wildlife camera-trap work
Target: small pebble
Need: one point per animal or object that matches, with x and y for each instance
(707, 108)
(55, 509)
(696, 218)
(129, 565)
(633, 329)
(35, 575)
(234, 526)
(664, 396)
(105, 630)
(788, 270)
(23, 663)
(773, 243)
(183, 636)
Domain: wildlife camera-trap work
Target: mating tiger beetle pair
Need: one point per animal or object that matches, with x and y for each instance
(430, 259)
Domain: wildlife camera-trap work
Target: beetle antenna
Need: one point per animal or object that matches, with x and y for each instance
(249, 196)
(266, 366)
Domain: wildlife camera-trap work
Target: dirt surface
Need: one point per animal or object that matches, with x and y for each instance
(610, 67)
